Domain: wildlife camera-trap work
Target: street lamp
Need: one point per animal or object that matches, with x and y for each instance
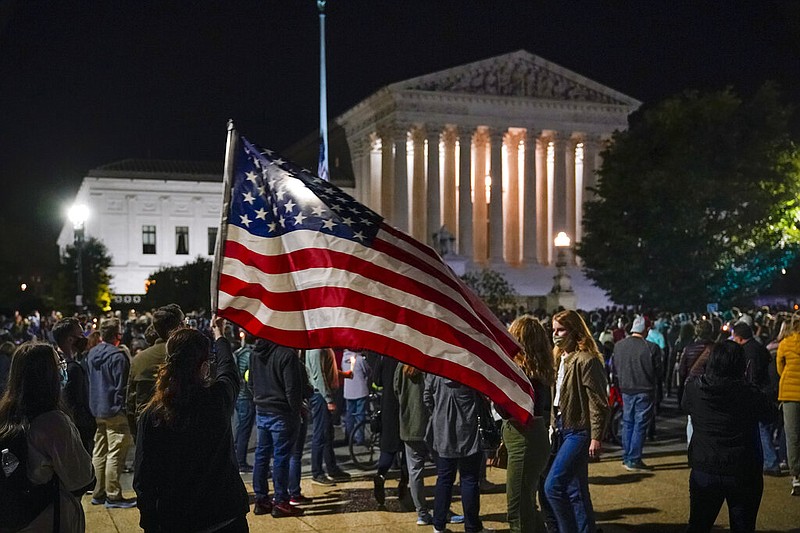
(561, 295)
(78, 214)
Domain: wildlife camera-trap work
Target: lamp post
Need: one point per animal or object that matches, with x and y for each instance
(561, 295)
(78, 214)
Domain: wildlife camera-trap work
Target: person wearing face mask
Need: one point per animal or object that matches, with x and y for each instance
(70, 342)
(580, 410)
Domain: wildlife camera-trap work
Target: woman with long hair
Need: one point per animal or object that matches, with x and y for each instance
(581, 408)
(725, 452)
(529, 447)
(186, 475)
(31, 406)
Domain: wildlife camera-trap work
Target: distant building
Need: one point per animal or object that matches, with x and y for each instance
(494, 158)
(150, 214)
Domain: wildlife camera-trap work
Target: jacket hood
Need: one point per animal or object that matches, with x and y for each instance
(264, 349)
(723, 390)
(101, 353)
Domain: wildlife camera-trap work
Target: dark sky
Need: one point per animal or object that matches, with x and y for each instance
(85, 83)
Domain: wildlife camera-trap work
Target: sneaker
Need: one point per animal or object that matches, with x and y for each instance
(263, 507)
(245, 469)
(453, 518)
(284, 509)
(98, 501)
(784, 466)
(425, 519)
(323, 480)
(378, 489)
(124, 503)
(340, 475)
(796, 486)
(300, 500)
(637, 466)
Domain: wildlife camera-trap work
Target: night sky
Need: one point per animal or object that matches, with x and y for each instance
(86, 83)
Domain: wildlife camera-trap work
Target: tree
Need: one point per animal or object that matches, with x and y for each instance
(495, 291)
(95, 263)
(697, 202)
(187, 286)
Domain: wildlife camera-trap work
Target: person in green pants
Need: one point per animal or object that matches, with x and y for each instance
(529, 447)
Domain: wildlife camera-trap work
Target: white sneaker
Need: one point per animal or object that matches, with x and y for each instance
(796, 486)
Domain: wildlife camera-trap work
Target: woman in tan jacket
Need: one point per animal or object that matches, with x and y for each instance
(788, 365)
(580, 407)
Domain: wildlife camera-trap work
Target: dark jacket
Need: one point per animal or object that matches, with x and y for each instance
(187, 478)
(76, 396)
(725, 415)
(276, 379)
(144, 371)
(383, 377)
(758, 363)
(108, 380)
(637, 365)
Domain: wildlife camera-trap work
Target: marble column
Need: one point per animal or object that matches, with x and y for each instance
(465, 209)
(543, 193)
(387, 173)
(400, 189)
(449, 137)
(570, 192)
(418, 211)
(559, 187)
(375, 166)
(496, 224)
(433, 216)
(590, 149)
(512, 242)
(479, 207)
(529, 207)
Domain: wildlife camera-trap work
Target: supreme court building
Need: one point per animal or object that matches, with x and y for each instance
(500, 152)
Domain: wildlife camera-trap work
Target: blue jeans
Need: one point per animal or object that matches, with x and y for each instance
(469, 471)
(296, 459)
(276, 437)
(637, 409)
(567, 483)
(321, 437)
(708, 491)
(245, 416)
(356, 412)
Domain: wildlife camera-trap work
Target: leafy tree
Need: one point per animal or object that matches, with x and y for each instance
(187, 286)
(697, 202)
(95, 263)
(495, 291)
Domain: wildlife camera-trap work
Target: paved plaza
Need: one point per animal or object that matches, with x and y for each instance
(653, 502)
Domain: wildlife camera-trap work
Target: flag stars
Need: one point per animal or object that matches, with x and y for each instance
(298, 219)
(366, 221)
(317, 211)
(261, 214)
(329, 224)
(289, 205)
(249, 198)
(272, 226)
(278, 162)
(282, 222)
(252, 176)
(336, 208)
(359, 235)
(347, 221)
(245, 220)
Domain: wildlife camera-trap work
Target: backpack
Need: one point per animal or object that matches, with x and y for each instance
(20, 500)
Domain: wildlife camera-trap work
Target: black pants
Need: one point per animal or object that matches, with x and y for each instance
(708, 491)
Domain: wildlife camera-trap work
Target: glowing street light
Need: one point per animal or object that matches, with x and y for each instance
(78, 214)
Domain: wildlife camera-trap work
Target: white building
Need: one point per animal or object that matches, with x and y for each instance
(500, 152)
(150, 214)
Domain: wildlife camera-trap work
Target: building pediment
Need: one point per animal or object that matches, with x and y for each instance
(517, 74)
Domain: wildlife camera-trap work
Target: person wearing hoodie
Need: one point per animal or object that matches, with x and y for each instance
(725, 451)
(109, 368)
(276, 381)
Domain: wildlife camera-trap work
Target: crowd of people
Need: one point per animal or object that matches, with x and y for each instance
(84, 390)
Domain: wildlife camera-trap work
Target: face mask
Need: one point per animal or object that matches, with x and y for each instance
(80, 345)
(63, 376)
(559, 341)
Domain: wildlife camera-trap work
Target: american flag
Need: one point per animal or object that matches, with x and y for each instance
(305, 265)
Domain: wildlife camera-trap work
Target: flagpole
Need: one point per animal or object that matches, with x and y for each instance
(323, 169)
(222, 232)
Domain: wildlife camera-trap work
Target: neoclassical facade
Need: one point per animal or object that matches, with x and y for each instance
(500, 152)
